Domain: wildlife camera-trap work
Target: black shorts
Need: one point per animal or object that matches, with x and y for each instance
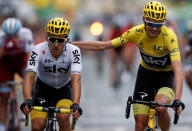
(149, 82)
(45, 95)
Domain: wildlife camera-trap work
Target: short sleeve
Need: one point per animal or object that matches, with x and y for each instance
(173, 48)
(33, 61)
(76, 63)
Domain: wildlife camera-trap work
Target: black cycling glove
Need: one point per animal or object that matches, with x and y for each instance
(27, 102)
(75, 107)
(177, 103)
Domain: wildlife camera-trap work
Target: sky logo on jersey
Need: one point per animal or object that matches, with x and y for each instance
(54, 69)
(156, 62)
(32, 58)
(76, 56)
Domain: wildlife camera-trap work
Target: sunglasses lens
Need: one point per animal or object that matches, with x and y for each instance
(59, 40)
(153, 24)
(52, 40)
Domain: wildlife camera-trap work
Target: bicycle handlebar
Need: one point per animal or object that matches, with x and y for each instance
(151, 104)
(55, 110)
(45, 109)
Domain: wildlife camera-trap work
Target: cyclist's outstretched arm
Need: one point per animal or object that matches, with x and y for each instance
(93, 45)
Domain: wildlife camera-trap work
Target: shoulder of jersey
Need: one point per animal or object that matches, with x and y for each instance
(72, 46)
(139, 29)
(166, 32)
(41, 45)
(25, 31)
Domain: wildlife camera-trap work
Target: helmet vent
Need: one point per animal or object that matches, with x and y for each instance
(149, 13)
(153, 15)
(158, 15)
(61, 30)
(162, 15)
(65, 30)
(57, 30)
(52, 29)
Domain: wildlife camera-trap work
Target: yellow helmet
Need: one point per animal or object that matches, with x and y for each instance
(58, 26)
(155, 10)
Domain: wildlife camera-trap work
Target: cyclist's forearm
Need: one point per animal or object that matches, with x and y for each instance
(178, 86)
(93, 45)
(76, 88)
(28, 85)
(178, 80)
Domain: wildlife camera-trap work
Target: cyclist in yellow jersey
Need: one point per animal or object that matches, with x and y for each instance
(160, 76)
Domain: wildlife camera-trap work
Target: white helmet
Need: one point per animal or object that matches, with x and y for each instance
(11, 26)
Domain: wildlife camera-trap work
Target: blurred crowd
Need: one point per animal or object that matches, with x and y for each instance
(117, 16)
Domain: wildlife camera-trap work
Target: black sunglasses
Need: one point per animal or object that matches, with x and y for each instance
(59, 40)
(151, 24)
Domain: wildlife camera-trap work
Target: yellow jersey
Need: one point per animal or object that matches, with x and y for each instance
(156, 53)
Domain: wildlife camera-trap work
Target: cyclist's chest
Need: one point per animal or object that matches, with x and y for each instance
(50, 65)
(14, 47)
(153, 47)
(154, 53)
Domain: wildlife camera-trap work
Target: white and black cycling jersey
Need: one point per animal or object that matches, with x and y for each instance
(55, 72)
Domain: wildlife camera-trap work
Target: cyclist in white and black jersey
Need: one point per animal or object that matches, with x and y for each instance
(57, 65)
(55, 72)
(16, 42)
